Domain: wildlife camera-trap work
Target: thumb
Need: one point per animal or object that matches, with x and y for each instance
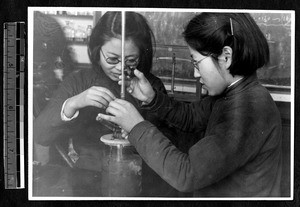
(140, 75)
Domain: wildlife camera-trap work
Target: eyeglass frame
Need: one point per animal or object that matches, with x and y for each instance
(196, 63)
(136, 61)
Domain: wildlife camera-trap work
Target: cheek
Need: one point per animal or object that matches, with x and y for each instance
(209, 75)
(220, 86)
(216, 83)
(105, 67)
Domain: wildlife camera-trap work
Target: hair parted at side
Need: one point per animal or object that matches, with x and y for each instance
(209, 33)
(137, 30)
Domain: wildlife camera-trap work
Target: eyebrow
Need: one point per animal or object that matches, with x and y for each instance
(134, 56)
(111, 53)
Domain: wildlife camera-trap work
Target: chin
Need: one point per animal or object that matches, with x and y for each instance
(212, 93)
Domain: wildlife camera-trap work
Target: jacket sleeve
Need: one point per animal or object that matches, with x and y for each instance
(162, 156)
(236, 137)
(152, 116)
(156, 83)
(188, 117)
(49, 125)
(206, 162)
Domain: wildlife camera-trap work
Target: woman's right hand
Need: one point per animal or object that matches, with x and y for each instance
(94, 96)
(140, 88)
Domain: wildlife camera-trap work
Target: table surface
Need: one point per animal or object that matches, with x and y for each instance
(54, 180)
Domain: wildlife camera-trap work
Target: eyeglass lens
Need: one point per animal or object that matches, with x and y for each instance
(114, 60)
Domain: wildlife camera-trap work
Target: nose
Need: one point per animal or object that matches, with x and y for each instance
(119, 66)
(196, 73)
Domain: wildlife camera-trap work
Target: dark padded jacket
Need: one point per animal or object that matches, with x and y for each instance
(240, 154)
(85, 131)
(48, 126)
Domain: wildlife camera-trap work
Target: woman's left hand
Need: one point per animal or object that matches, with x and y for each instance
(124, 114)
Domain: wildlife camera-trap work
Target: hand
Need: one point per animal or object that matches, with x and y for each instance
(124, 114)
(140, 88)
(95, 96)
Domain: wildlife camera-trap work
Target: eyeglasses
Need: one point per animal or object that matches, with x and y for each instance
(196, 63)
(115, 61)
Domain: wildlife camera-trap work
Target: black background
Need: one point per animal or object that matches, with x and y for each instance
(16, 10)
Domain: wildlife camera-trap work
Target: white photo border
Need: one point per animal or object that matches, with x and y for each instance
(30, 25)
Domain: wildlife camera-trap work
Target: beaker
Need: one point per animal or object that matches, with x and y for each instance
(121, 168)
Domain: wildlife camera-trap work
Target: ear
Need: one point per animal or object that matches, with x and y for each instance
(226, 56)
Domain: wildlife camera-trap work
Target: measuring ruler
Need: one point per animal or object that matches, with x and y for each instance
(13, 102)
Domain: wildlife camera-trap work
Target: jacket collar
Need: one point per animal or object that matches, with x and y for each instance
(242, 85)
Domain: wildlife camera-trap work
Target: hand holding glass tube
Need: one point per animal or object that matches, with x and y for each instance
(117, 132)
(124, 113)
(139, 87)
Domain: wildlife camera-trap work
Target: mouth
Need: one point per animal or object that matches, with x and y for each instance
(116, 74)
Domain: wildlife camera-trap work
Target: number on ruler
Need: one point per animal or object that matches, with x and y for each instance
(11, 180)
(11, 80)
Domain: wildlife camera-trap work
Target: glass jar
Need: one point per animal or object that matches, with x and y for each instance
(121, 169)
(69, 30)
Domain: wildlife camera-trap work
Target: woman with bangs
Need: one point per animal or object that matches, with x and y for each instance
(69, 120)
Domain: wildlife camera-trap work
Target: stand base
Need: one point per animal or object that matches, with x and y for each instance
(109, 140)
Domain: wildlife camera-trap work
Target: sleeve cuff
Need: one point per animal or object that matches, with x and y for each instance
(156, 103)
(152, 102)
(63, 116)
(138, 130)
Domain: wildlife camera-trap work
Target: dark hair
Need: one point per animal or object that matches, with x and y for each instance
(208, 33)
(50, 42)
(50, 51)
(136, 28)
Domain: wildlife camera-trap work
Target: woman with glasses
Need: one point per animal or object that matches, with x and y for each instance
(73, 109)
(240, 154)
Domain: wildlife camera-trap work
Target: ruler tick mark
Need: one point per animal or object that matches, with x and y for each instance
(12, 60)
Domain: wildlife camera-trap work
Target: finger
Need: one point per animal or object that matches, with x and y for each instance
(140, 75)
(113, 111)
(106, 92)
(119, 106)
(129, 90)
(97, 104)
(127, 82)
(93, 100)
(124, 135)
(107, 117)
(123, 131)
(102, 97)
(133, 85)
(98, 117)
(120, 102)
(106, 123)
(98, 99)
